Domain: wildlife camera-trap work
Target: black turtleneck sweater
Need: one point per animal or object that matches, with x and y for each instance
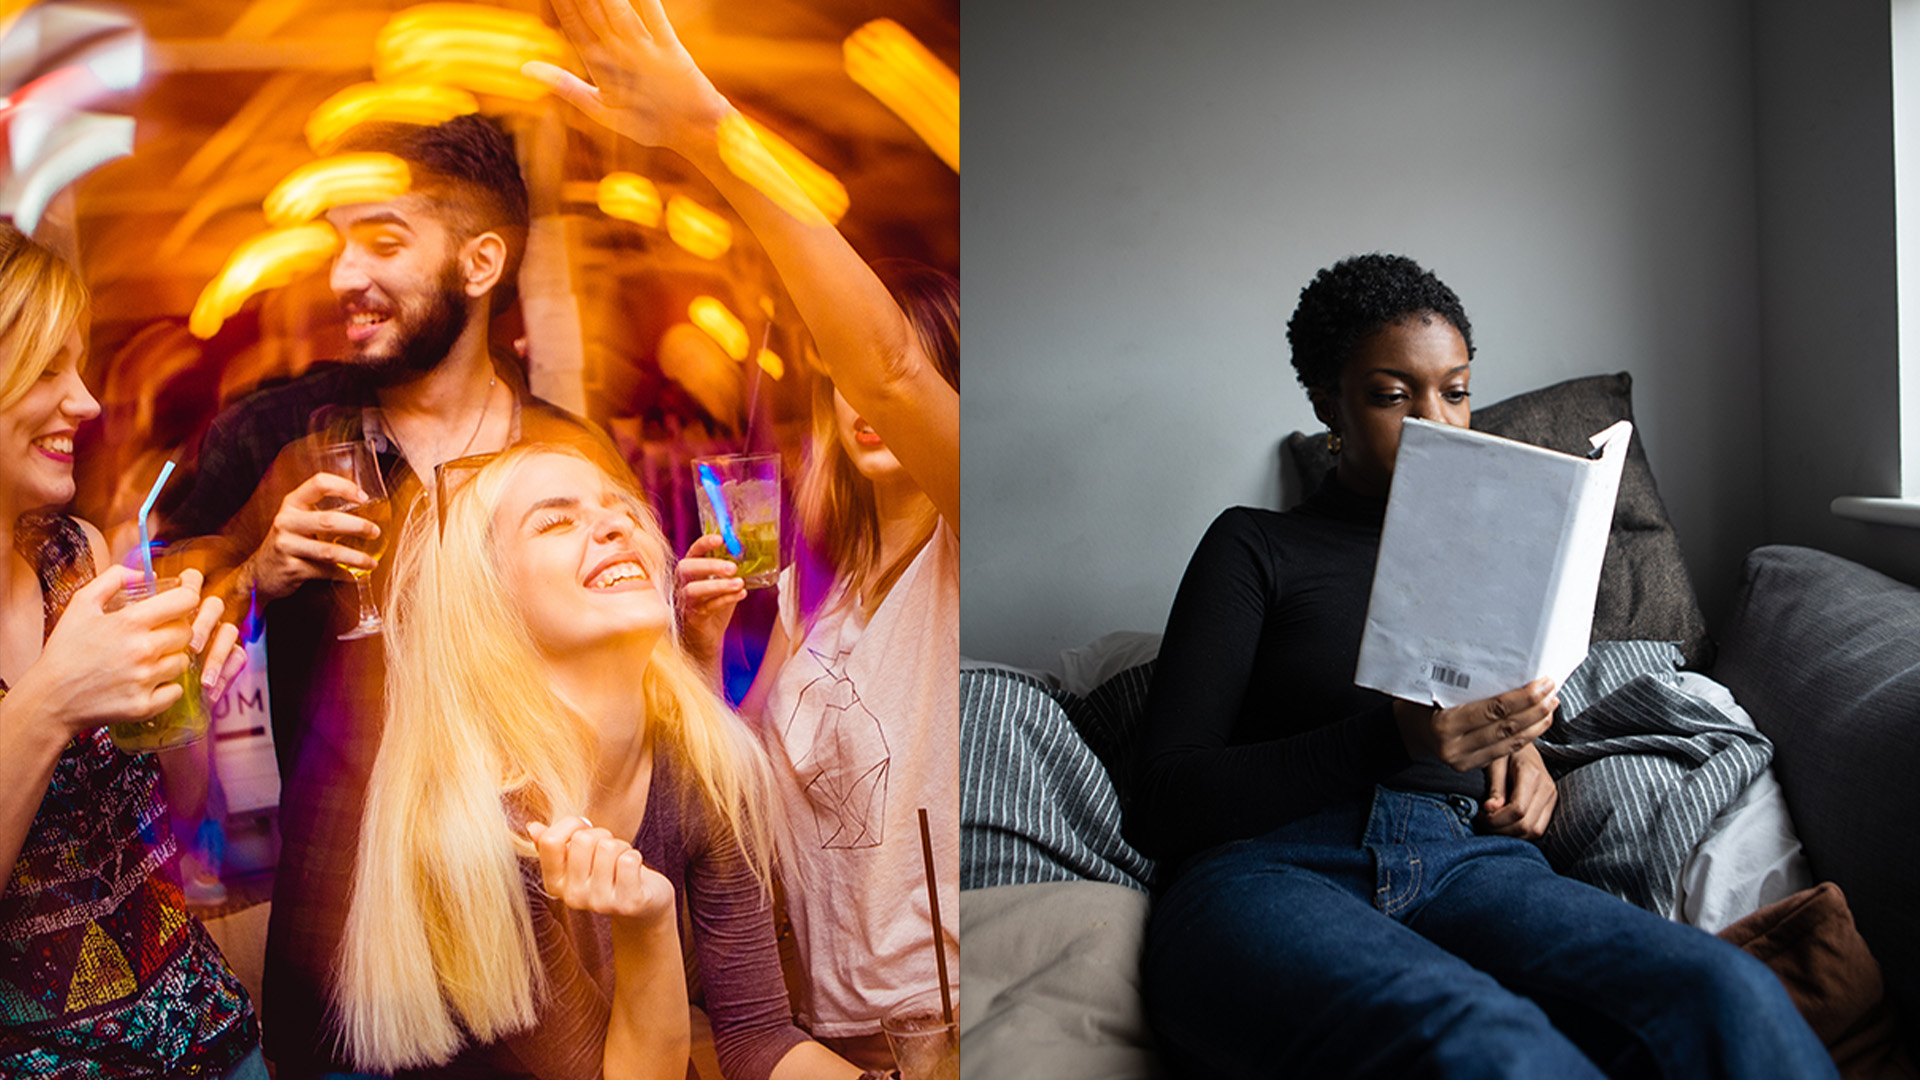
(1253, 720)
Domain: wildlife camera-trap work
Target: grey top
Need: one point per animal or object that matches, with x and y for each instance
(732, 945)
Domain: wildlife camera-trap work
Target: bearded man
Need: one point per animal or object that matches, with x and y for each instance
(419, 279)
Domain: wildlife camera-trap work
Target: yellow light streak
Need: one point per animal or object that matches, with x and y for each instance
(892, 65)
(780, 171)
(698, 229)
(318, 186)
(474, 46)
(630, 197)
(720, 324)
(395, 102)
(771, 363)
(262, 262)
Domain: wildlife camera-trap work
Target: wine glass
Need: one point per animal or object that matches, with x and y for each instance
(355, 461)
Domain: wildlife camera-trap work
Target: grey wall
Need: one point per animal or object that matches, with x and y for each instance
(1829, 313)
(1148, 186)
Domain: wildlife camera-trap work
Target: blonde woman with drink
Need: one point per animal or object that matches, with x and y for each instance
(557, 792)
(857, 702)
(100, 962)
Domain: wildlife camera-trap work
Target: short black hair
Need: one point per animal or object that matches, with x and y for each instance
(1355, 298)
(468, 168)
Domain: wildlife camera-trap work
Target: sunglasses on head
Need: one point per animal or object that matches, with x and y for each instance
(448, 476)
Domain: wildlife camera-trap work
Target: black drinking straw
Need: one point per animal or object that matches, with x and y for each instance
(933, 899)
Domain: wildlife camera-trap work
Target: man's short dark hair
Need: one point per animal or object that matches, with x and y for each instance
(467, 167)
(1355, 298)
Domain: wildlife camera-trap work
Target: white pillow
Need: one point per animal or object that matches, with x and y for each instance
(1082, 670)
(1751, 855)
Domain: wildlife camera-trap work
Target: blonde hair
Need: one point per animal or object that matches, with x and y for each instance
(439, 942)
(42, 299)
(834, 502)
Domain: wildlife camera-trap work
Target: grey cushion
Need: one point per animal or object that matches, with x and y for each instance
(1826, 656)
(1645, 593)
(1111, 719)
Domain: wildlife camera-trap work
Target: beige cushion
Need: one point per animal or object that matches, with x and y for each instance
(1051, 973)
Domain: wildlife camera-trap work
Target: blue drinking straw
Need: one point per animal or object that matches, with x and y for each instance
(720, 515)
(146, 545)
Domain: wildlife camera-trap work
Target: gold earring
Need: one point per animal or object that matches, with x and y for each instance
(1333, 442)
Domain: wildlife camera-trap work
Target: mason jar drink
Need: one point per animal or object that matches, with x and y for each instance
(924, 1039)
(183, 722)
(739, 500)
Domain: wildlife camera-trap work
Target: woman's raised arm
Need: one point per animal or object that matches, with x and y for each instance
(647, 88)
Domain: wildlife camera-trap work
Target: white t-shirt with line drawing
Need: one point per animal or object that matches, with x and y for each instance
(862, 724)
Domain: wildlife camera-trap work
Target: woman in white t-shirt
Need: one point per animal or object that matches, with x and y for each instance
(857, 697)
(857, 701)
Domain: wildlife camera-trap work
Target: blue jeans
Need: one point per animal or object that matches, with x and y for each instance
(1388, 940)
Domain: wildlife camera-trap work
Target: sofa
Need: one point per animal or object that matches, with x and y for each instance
(1823, 654)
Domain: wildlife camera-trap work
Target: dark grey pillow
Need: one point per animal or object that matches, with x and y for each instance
(1826, 656)
(1645, 593)
(1111, 719)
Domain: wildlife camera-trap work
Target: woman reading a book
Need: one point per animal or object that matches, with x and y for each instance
(1353, 891)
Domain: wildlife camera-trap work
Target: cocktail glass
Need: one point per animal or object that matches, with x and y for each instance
(739, 499)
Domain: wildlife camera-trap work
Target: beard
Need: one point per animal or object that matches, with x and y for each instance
(425, 330)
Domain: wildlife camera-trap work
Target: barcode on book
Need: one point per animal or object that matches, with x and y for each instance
(1452, 677)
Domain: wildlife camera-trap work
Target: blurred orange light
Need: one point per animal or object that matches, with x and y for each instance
(474, 46)
(630, 197)
(318, 186)
(771, 363)
(698, 229)
(893, 66)
(397, 102)
(777, 168)
(720, 324)
(262, 262)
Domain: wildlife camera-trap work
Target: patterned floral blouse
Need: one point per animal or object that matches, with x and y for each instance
(102, 971)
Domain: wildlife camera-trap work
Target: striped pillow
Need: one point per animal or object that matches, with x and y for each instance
(1036, 803)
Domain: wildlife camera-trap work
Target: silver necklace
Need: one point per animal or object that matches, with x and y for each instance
(492, 380)
(485, 407)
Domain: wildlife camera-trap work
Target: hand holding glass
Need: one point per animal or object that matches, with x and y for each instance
(739, 500)
(184, 721)
(355, 461)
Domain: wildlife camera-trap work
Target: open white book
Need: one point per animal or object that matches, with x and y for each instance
(1489, 563)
